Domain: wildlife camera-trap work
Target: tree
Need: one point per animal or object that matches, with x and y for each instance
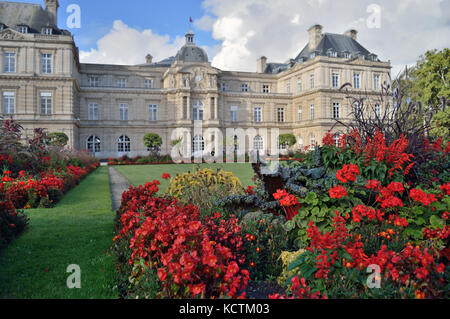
(429, 79)
(288, 139)
(440, 125)
(57, 139)
(153, 142)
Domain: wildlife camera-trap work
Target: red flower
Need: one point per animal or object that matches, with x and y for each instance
(338, 192)
(373, 184)
(166, 176)
(348, 173)
(446, 189)
(396, 187)
(422, 197)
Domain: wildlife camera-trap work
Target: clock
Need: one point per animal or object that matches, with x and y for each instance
(198, 78)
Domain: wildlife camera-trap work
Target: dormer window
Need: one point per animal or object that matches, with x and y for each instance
(23, 29)
(2, 26)
(47, 31)
(332, 53)
(346, 55)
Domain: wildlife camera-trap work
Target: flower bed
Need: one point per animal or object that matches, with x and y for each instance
(165, 250)
(43, 190)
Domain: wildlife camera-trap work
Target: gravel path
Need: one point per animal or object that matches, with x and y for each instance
(118, 184)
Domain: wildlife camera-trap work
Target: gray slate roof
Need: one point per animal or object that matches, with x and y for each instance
(13, 14)
(338, 43)
(191, 53)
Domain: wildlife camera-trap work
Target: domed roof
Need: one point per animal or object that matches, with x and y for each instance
(190, 52)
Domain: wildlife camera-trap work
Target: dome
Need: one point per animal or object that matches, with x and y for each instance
(191, 53)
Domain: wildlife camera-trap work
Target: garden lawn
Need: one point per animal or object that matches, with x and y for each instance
(141, 174)
(79, 230)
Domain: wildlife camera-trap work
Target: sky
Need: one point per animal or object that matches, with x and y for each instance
(235, 33)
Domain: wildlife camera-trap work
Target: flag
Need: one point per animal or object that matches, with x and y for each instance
(190, 19)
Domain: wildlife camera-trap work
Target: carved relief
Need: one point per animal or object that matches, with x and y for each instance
(11, 35)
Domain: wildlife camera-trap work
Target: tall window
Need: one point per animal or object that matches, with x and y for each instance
(153, 112)
(46, 63)
(356, 83)
(266, 88)
(300, 142)
(123, 111)
(311, 81)
(233, 114)
(94, 81)
(311, 111)
(148, 83)
(258, 114)
(312, 141)
(124, 144)
(93, 111)
(299, 84)
(288, 87)
(335, 79)
(93, 144)
(212, 108)
(376, 82)
(336, 138)
(378, 110)
(258, 143)
(198, 111)
(9, 62)
(8, 102)
(198, 144)
(46, 103)
(185, 107)
(244, 87)
(336, 110)
(300, 113)
(280, 115)
(122, 82)
(224, 87)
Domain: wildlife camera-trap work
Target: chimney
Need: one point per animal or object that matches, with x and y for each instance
(148, 59)
(352, 33)
(315, 35)
(51, 6)
(262, 64)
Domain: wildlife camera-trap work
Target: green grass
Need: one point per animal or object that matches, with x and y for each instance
(79, 230)
(139, 175)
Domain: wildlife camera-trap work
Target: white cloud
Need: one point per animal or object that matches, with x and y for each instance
(125, 45)
(248, 29)
(205, 23)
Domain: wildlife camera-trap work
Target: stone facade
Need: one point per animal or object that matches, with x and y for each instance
(109, 108)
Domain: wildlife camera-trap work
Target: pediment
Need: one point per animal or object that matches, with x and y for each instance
(9, 34)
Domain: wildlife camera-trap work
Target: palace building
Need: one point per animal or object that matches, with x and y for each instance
(107, 109)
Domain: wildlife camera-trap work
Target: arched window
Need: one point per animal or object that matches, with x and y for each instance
(236, 143)
(93, 144)
(124, 144)
(258, 143)
(198, 144)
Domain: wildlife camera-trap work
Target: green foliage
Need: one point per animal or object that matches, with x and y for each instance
(430, 77)
(153, 141)
(288, 140)
(440, 126)
(262, 253)
(57, 139)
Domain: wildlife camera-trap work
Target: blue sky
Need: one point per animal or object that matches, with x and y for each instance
(163, 17)
(235, 33)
